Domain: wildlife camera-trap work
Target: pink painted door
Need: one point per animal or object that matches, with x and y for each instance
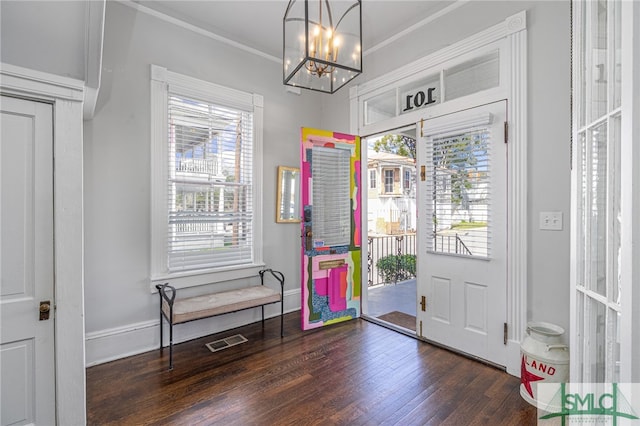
(331, 227)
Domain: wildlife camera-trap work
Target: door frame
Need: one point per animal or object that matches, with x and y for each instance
(66, 96)
(511, 36)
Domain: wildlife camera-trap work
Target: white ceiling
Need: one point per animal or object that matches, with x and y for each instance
(258, 23)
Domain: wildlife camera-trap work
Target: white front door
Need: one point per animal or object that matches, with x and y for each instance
(26, 263)
(462, 256)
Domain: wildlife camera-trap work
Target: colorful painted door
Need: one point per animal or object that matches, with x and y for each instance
(331, 227)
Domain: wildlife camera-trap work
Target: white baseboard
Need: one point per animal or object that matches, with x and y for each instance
(133, 339)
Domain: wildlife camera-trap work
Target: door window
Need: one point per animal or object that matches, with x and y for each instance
(459, 188)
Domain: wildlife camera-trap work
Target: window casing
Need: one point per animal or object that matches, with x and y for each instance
(206, 177)
(372, 179)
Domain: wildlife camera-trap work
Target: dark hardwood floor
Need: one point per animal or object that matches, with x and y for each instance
(351, 373)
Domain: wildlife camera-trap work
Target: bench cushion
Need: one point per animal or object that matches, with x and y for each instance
(209, 305)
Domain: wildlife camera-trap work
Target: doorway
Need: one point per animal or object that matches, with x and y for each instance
(391, 224)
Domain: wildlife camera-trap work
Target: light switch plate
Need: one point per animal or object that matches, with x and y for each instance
(551, 221)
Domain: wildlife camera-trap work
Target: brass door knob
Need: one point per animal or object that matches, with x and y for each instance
(45, 308)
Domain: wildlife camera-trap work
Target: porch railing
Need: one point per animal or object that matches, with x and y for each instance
(383, 246)
(450, 244)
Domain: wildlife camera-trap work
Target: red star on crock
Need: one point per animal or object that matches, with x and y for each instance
(526, 377)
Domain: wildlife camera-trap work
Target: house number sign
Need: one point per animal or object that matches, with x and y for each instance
(419, 99)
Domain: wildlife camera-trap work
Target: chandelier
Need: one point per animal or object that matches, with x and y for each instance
(322, 43)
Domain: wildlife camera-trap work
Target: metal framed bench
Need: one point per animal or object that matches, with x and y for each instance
(179, 311)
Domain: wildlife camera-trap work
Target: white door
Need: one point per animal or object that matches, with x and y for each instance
(26, 263)
(462, 265)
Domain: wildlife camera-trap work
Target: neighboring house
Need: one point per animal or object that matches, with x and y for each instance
(391, 193)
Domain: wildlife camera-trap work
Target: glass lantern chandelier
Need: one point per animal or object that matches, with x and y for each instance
(322, 43)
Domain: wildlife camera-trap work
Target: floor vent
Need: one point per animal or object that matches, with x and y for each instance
(225, 343)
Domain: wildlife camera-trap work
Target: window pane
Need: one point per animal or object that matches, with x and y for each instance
(596, 344)
(419, 94)
(597, 217)
(617, 41)
(583, 235)
(331, 204)
(380, 107)
(388, 181)
(613, 349)
(580, 329)
(616, 223)
(472, 76)
(599, 58)
(459, 187)
(210, 212)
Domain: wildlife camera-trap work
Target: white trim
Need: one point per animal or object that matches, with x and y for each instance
(133, 339)
(94, 38)
(25, 82)
(161, 81)
(517, 217)
(66, 96)
(630, 192)
(198, 30)
(198, 278)
(513, 31)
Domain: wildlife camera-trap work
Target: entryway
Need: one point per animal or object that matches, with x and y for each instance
(391, 228)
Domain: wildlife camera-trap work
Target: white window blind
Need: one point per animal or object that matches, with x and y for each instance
(209, 188)
(459, 171)
(331, 214)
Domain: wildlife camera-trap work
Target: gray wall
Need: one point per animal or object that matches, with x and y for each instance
(117, 146)
(549, 131)
(117, 152)
(31, 36)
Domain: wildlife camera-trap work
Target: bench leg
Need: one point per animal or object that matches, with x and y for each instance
(170, 345)
(262, 316)
(161, 342)
(282, 318)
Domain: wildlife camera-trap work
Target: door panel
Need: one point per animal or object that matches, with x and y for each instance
(331, 230)
(26, 262)
(462, 264)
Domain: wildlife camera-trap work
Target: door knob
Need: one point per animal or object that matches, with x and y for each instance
(45, 308)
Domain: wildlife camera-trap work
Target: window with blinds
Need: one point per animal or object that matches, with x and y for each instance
(331, 214)
(209, 213)
(459, 169)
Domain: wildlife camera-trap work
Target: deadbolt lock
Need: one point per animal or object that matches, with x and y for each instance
(423, 303)
(45, 308)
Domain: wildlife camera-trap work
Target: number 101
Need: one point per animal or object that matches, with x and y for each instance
(419, 99)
